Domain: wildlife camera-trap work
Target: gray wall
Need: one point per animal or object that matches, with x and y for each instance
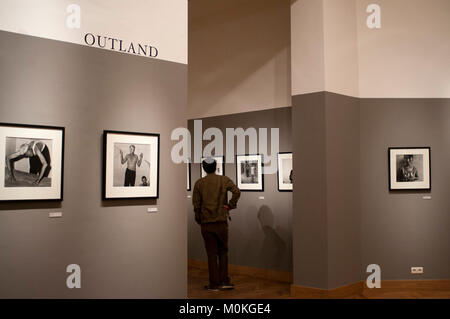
(400, 229)
(310, 239)
(345, 218)
(326, 221)
(123, 251)
(261, 230)
(343, 202)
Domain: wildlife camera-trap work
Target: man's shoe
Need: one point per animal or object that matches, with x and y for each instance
(228, 286)
(211, 288)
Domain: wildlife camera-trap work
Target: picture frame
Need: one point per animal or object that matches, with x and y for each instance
(409, 168)
(33, 161)
(249, 172)
(285, 172)
(130, 165)
(220, 169)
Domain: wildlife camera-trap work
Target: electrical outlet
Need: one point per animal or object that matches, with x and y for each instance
(417, 270)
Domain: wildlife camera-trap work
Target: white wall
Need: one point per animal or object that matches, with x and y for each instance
(307, 47)
(334, 50)
(410, 55)
(340, 47)
(159, 23)
(239, 56)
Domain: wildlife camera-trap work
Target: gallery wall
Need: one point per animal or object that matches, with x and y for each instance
(409, 56)
(123, 251)
(261, 229)
(326, 204)
(342, 73)
(334, 50)
(158, 23)
(324, 49)
(400, 229)
(239, 56)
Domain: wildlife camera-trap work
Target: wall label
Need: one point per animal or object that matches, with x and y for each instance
(120, 45)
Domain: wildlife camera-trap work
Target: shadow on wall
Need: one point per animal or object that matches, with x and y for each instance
(273, 247)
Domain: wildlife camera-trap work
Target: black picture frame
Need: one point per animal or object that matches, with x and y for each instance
(105, 196)
(278, 172)
(426, 168)
(223, 165)
(261, 189)
(60, 189)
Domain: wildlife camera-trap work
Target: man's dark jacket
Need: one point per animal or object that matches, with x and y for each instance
(210, 196)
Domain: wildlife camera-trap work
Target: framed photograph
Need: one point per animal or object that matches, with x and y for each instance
(130, 165)
(285, 172)
(220, 169)
(409, 168)
(33, 161)
(249, 172)
(188, 166)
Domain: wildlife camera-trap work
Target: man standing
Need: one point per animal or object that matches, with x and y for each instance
(132, 160)
(211, 206)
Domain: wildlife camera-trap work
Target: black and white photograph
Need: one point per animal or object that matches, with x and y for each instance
(131, 164)
(33, 164)
(131, 169)
(285, 172)
(409, 168)
(220, 169)
(249, 172)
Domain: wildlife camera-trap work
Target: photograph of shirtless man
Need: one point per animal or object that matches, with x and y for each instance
(132, 160)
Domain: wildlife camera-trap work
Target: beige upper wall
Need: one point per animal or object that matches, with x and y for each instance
(239, 56)
(324, 46)
(240, 51)
(410, 55)
(340, 47)
(307, 46)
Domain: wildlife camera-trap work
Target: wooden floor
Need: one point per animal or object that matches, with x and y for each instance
(248, 287)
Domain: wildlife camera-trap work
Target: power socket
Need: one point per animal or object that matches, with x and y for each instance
(417, 270)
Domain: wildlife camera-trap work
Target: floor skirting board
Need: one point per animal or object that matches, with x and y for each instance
(415, 287)
(389, 289)
(269, 274)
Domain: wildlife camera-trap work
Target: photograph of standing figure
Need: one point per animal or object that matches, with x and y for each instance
(131, 165)
(249, 172)
(132, 160)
